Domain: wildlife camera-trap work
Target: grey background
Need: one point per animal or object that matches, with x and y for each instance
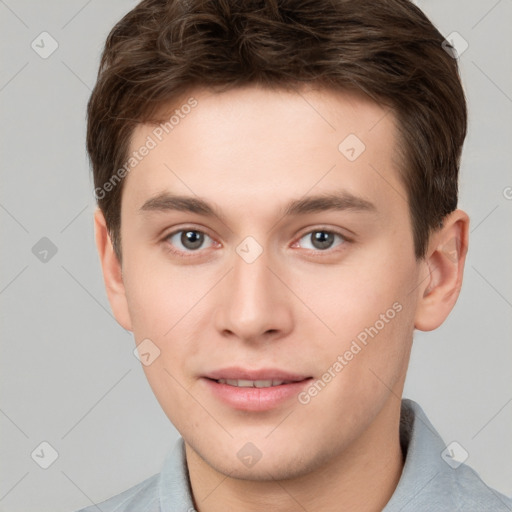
(68, 374)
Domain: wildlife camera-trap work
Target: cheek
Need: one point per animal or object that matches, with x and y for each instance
(369, 309)
(168, 306)
(364, 365)
(159, 294)
(351, 297)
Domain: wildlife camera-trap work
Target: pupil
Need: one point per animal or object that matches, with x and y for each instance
(192, 239)
(322, 239)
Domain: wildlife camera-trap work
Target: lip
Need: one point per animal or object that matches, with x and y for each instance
(255, 399)
(235, 372)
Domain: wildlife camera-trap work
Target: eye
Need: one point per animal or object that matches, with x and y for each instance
(187, 240)
(322, 239)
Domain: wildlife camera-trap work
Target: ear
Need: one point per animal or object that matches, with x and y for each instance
(444, 268)
(112, 272)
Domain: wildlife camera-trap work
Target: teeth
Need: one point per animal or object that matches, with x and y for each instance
(242, 383)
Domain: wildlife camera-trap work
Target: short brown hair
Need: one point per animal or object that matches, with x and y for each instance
(386, 48)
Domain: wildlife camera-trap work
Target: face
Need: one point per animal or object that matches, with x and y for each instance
(264, 246)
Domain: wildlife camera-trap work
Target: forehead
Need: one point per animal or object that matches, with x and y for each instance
(251, 143)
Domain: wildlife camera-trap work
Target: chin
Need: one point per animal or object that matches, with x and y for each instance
(273, 465)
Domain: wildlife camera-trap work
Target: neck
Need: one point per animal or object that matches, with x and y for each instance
(363, 477)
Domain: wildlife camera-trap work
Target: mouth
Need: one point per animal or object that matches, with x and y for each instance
(254, 390)
(243, 383)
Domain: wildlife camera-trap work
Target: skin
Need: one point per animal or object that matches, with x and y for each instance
(297, 307)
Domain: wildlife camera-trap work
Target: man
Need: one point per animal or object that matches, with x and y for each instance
(277, 191)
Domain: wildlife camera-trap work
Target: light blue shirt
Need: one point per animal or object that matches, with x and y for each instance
(431, 479)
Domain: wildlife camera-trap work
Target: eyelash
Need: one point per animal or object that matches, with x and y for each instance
(317, 252)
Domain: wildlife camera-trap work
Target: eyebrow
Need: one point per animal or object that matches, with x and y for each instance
(340, 201)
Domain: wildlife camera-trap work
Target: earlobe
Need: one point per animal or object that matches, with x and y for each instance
(444, 269)
(112, 272)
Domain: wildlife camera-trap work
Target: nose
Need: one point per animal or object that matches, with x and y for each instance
(254, 304)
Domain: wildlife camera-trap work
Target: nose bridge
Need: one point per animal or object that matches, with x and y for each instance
(250, 278)
(253, 301)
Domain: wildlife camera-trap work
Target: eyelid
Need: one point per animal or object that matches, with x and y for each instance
(188, 227)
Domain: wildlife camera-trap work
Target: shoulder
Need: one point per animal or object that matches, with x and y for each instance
(432, 477)
(474, 494)
(167, 490)
(143, 497)
(459, 489)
